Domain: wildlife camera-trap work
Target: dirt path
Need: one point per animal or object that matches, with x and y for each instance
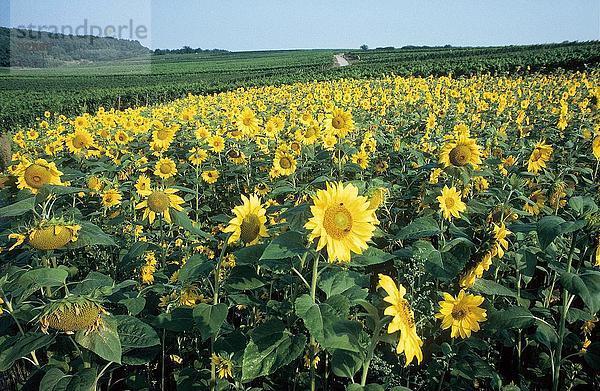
(341, 61)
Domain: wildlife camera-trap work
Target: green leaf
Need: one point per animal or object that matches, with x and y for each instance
(513, 317)
(196, 266)
(422, 227)
(178, 320)
(209, 318)
(326, 327)
(243, 277)
(371, 256)
(92, 282)
(489, 287)
(91, 235)
(14, 348)
(44, 276)
(104, 342)
(592, 356)
(548, 228)
(56, 380)
(18, 208)
(134, 333)
(286, 245)
(585, 285)
(270, 348)
(180, 218)
(344, 282)
(345, 363)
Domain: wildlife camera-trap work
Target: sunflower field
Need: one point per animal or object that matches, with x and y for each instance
(391, 233)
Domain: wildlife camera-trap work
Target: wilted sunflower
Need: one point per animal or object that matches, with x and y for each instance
(159, 202)
(248, 225)
(71, 314)
(451, 203)
(48, 235)
(460, 152)
(165, 168)
(34, 175)
(539, 157)
(462, 313)
(342, 220)
(403, 320)
(339, 122)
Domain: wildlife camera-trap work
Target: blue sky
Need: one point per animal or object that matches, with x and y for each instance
(287, 24)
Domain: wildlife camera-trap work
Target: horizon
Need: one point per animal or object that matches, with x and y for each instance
(265, 25)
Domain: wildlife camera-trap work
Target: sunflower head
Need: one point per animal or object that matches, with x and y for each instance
(35, 175)
(53, 235)
(158, 201)
(461, 313)
(461, 152)
(71, 314)
(248, 225)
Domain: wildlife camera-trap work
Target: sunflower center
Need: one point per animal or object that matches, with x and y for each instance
(449, 202)
(460, 155)
(337, 122)
(79, 141)
(165, 169)
(459, 313)
(50, 238)
(250, 228)
(158, 201)
(162, 134)
(337, 221)
(247, 121)
(285, 163)
(36, 176)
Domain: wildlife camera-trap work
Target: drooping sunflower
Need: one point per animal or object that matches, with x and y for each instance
(462, 313)
(460, 152)
(72, 314)
(403, 320)
(342, 220)
(339, 122)
(500, 242)
(451, 203)
(539, 157)
(34, 175)
(53, 235)
(165, 168)
(538, 200)
(248, 225)
(159, 202)
(284, 163)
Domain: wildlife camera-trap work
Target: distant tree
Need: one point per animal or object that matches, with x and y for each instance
(364, 47)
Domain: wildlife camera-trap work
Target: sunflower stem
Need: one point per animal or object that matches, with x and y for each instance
(313, 342)
(563, 317)
(374, 342)
(213, 368)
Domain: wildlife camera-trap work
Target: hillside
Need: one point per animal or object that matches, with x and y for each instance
(37, 49)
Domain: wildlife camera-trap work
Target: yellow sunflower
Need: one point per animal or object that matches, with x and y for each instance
(539, 157)
(111, 197)
(248, 225)
(34, 175)
(451, 203)
(342, 220)
(339, 122)
(596, 147)
(79, 141)
(403, 320)
(142, 185)
(162, 137)
(165, 168)
(217, 143)
(460, 152)
(210, 176)
(462, 313)
(284, 163)
(247, 122)
(223, 366)
(159, 202)
(538, 200)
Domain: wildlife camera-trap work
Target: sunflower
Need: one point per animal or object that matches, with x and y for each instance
(247, 122)
(210, 176)
(284, 163)
(537, 201)
(596, 147)
(236, 156)
(162, 138)
(148, 268)
(223, 366)
(462, 313)
(460, 152)
(159, 201)
(34, 175)
(339, 122)
(53, 235)
(248, 225)
(142, 185)
(217, 143)
(309, 135)
(500, 242)
(197, 156)
(262, 189)
(451, 203)
(79, 141)
(71, 314)
(111, 197)
(165, 168)
(539, 157)
(403, 320)
(122, 137)
(342, 220)
(361, 159)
